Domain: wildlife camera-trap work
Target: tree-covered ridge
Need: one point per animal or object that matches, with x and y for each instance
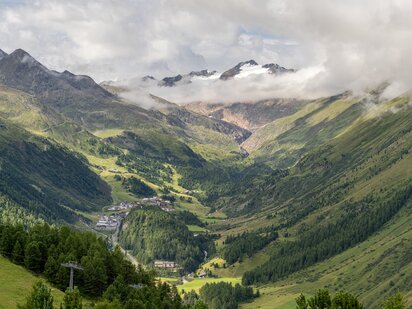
(152, 234)
(246, 244)
(107, 275)
(224, 295)
(328, 240)
(48, 180)
(347, 188)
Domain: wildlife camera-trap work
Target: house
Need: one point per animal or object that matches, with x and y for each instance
(202, 274)
(165, 264)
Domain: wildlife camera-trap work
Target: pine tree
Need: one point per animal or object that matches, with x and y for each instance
(72, 299)
(51, 269)
(40, 298)
(6, 242)
(33, 257)
(395, 301)
(17, 255)
(94, 275)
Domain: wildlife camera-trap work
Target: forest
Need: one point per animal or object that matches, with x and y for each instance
(107, 275)
(152, 234)
(327, 240)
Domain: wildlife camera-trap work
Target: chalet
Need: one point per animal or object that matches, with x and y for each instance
(202, 274)
(165, 264)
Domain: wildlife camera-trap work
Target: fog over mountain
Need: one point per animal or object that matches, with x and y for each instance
(335, 46)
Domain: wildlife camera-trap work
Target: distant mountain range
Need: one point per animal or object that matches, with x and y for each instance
(241, 70)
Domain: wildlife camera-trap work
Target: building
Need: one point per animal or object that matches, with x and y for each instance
(165, 264)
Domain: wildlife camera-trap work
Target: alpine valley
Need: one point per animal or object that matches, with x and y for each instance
(281, 196)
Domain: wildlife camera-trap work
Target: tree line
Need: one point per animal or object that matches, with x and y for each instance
(153, 234)
(107, 275)
(328, 240)
(247, 243)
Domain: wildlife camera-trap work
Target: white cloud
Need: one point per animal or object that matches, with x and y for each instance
(357, 43)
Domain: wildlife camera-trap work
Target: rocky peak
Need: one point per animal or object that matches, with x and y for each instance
(22, 56)
(170, 81)
(204, 73)
(148, 78)
(276, 69)
(236, 69)
(2, 54)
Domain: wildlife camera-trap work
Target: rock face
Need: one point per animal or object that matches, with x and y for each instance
(250, 116)
(237, 69)
(276, 69)
(238, 134)
(170, 81)
(184, 79)
(2, 54)
(202, 73)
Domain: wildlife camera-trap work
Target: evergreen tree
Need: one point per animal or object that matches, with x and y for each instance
(345, 300)
(322, 300)
(40, 298)
(33, 257)
(395, 301)
(17, 255)
(6, 241)
(72, 299)
(51, 269)
(94, 275)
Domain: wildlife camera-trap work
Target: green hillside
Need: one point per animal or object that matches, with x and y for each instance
(16, 282)
(152, 234)
(45, 178)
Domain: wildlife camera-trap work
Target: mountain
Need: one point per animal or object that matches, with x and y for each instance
(295, 194)
(187, 78)
(2, 54)
(250, 115)
(47, 179)
(77, 97)
(21, 71)
(251, 67)
(241, 70)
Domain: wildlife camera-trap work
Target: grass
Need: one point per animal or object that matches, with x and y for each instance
(195, 228)
(16, 283)
(108, 133)
(373, 270)
(197, 283)
(237, 269)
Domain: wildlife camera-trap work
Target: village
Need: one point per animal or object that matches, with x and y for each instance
(110, 222)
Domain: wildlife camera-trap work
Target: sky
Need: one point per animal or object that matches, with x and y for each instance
(337, 45)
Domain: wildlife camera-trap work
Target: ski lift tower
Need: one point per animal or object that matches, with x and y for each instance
(72, 266)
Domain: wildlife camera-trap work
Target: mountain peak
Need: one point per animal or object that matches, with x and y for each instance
(250, 62)
(276, 69)
(237, 69)
(2, 54)
(21, 56)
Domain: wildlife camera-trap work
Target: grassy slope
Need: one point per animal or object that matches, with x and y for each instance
(373, 269)
(45, 177)
(16, 283)
(285, 139)
(197, 283)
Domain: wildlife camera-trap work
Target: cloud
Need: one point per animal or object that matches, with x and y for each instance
(337, 45)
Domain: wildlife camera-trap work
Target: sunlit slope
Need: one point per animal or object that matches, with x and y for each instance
(45, 178)
(16, 283)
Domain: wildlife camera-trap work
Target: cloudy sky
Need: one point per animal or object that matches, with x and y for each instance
(340, 45)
